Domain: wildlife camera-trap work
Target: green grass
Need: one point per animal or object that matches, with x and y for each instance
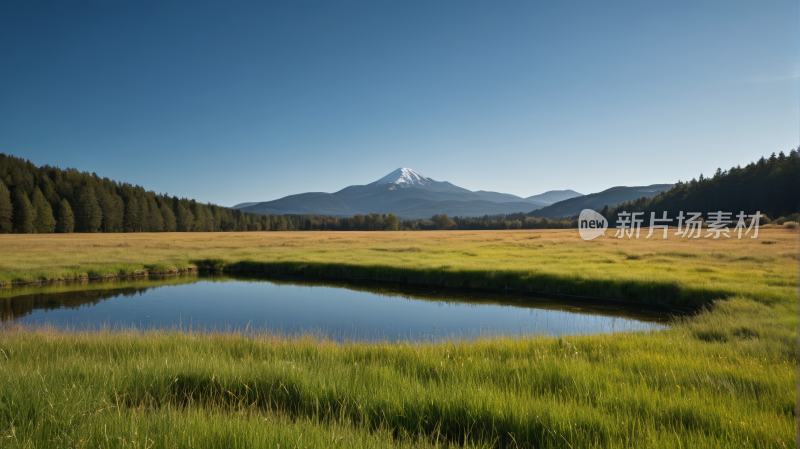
(724, 377)
(698, 384)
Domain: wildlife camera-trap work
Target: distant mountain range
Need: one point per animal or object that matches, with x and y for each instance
(597, 201)
(410, 195)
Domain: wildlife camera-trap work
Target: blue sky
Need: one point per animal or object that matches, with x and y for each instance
(243, 101)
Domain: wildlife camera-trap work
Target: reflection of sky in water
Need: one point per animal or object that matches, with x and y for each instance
(337, 312)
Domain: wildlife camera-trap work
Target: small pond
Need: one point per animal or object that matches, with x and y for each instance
(340, 310)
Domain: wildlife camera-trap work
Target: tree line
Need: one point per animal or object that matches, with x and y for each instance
(488, 222)
(358, 222)
(770, 186)
(48, 199)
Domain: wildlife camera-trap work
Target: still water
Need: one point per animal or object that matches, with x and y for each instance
(339, 310)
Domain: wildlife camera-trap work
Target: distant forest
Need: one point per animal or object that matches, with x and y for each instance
(518, 220)
(770, 186)
(48, 199)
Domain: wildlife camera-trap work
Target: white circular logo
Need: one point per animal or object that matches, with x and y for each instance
(591, 224)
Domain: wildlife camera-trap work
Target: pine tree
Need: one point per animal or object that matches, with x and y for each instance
(45, 223)
(113, 210)
(112, 198)
(281, 224)
(49, 191)
(88, 215)
(185, 218)
(24, 213)
(66, 220)
(198, 210)
(170, 225)
(6, 210)
(132, 215)
(143, 225)
(155, 221)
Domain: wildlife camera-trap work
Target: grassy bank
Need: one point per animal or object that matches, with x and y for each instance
(678, 271)
(722, 378)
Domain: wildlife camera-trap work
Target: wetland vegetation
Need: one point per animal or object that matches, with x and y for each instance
(722, 377)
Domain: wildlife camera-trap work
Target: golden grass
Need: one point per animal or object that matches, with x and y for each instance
(763, 268)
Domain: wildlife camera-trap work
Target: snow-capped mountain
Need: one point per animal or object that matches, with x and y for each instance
(404, 178)
(409, 194)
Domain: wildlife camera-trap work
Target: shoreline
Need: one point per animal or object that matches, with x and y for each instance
(86, 277)
(207, 269)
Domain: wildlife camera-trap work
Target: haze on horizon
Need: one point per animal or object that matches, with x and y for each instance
(235, 102)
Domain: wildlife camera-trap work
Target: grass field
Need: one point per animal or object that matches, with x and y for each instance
(674, 270)
(724, 377)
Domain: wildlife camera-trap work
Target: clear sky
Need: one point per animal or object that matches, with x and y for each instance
(250, 101)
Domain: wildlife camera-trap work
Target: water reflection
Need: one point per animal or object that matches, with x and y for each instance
(342, 310)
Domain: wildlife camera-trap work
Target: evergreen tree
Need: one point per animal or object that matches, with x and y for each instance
(199, 216)
(45, 223)
(155, 222)
(170, 225)
(217, 219)
(88, 215)
(6, 210)
(66, 220)
(143, 213)
(132, 215)
(24, 213)
(113, 210)
(49, 191)
(207, 221)
(280, 224)
(113, 199)
(185, 219)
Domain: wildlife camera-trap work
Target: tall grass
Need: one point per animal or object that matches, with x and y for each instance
(695, 385)
(724, 377)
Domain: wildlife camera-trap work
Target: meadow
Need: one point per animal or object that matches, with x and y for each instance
(677, 271)
(723, 376)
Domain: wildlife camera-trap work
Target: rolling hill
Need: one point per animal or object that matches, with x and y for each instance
(596, 201)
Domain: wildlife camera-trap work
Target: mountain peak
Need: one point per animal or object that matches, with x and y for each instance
(405, 177)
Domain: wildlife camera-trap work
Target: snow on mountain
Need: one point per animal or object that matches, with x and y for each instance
(405, 177)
